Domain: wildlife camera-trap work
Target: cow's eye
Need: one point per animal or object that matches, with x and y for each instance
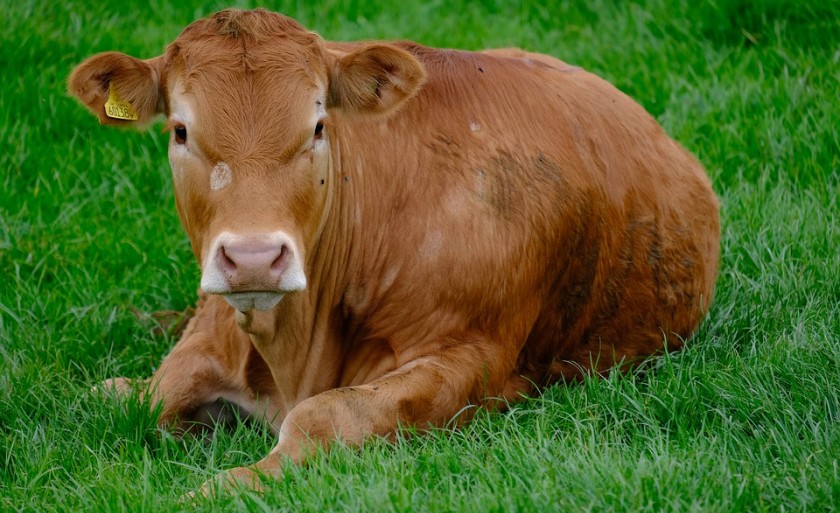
(319, 130)
(180, 134)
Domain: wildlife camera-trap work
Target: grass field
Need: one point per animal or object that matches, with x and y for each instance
(747, 418)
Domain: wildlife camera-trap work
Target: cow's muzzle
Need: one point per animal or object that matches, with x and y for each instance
(253, 271)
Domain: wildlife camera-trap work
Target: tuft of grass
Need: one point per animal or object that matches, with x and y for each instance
(744, 419)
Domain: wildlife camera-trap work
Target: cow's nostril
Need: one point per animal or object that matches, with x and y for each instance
(225, 261)
(279, 264)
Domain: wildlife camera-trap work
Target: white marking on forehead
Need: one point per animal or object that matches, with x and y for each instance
(475, 127)
(220, 176)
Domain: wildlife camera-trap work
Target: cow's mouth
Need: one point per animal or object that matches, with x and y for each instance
(245, 301)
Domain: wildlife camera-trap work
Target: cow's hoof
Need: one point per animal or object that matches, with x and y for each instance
(114, 386)
(240, 478)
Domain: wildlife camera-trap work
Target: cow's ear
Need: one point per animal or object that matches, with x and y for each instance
(374, 80)
(119, 89)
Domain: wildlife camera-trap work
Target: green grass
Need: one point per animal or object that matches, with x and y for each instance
(747, 418)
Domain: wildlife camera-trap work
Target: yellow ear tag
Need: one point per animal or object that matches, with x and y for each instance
(118, 108)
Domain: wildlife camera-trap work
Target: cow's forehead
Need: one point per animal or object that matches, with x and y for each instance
(245, 42)
(245, 26)
(253, 79)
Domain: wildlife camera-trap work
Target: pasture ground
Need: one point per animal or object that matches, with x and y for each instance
(745, 419)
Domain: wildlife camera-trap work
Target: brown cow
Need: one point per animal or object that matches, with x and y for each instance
(389, 233)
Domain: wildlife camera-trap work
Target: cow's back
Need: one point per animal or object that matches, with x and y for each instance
(523, 197)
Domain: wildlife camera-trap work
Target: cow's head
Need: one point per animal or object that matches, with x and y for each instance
(250, 99)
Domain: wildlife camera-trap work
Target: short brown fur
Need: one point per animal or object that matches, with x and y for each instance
(484, 223)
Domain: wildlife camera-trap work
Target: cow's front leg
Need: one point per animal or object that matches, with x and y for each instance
(431, 391)
(205, 365)
(188, 382)
(186, 386)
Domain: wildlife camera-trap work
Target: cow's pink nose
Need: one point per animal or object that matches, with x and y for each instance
(253, 266)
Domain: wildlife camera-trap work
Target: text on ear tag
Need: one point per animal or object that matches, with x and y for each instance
(118, 108)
